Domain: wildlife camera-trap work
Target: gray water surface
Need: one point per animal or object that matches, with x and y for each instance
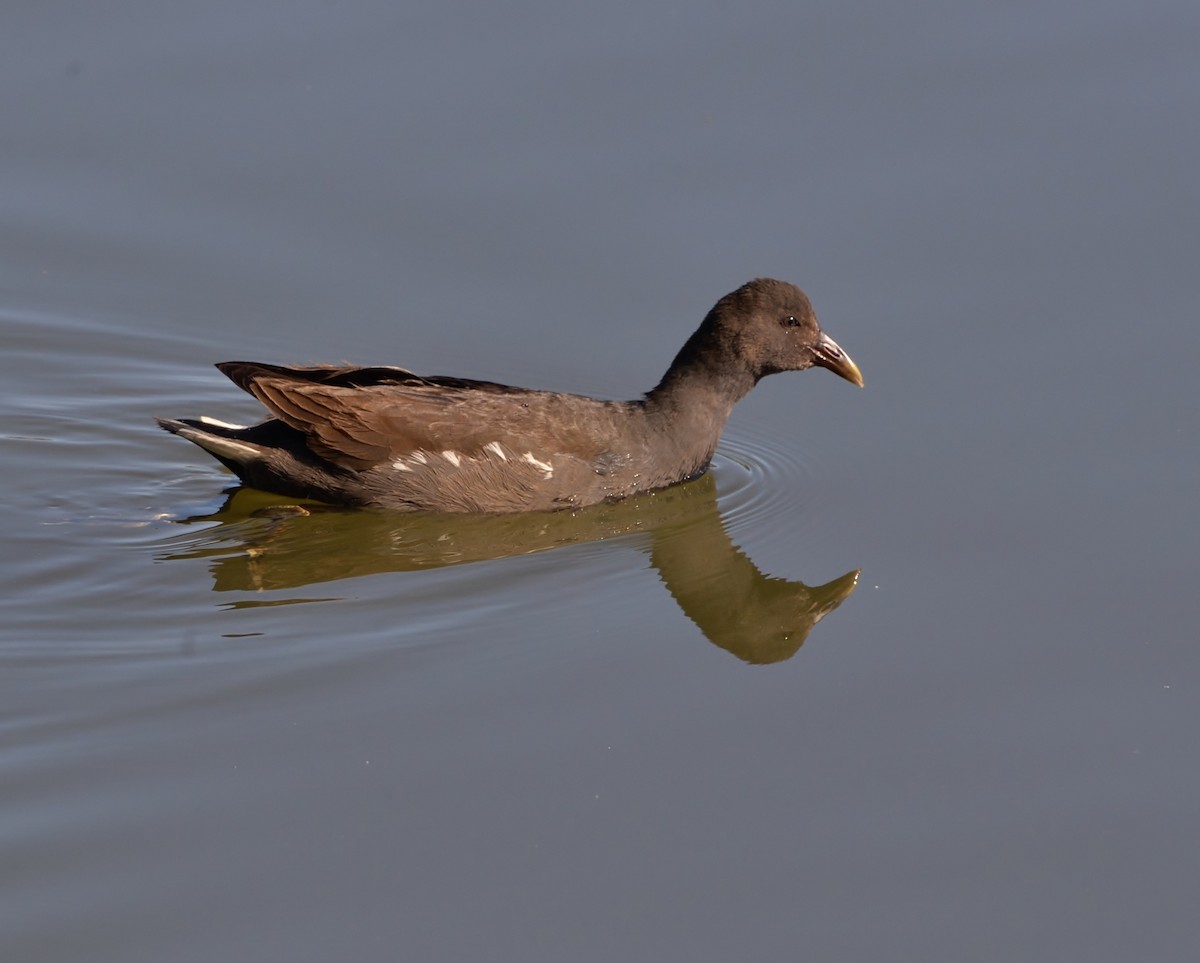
(912, 674)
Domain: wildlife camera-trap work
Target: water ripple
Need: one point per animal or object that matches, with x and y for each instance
(761, 480)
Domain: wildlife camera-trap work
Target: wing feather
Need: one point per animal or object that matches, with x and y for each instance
(357, 418)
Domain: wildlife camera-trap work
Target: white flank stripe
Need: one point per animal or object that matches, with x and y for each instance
(546, 467)
(452, 457)
(496, 449)
(399, 465)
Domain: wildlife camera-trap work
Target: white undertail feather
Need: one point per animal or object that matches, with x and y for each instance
(220, 424)
(222, 447)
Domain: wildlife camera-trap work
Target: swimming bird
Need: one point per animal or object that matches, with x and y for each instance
(385, 437)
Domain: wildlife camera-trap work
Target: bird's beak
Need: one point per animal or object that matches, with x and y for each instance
(828, 354)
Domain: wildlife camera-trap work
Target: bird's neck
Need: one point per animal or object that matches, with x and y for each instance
(692, 402)
(706, 373)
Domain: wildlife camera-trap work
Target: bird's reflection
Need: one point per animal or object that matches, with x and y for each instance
(280, 546)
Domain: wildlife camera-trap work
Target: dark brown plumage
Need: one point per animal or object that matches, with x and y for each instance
(388, 438)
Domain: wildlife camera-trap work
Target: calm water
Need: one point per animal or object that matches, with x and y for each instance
(232, 731)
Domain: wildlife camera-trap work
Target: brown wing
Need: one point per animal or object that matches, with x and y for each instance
(361, 417)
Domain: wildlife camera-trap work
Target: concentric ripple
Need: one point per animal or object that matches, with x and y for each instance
(761, 481)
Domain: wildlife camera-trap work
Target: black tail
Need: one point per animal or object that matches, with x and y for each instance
(233, 446)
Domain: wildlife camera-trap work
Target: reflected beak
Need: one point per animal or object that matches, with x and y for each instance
(828, 354)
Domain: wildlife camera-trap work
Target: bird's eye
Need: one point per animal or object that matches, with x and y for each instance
(791, 321)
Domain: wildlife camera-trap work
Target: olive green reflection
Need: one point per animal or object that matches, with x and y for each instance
(263, 544)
